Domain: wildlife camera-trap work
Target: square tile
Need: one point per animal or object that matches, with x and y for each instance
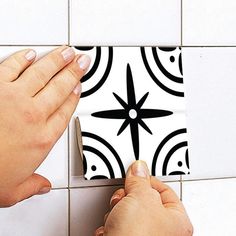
(55, 166)
(58, 157)
(28, 22)
(146, 81)
(211, 206)
(211, 113)
(152, 22)
(207, 22)
(89, 205)
(45, 215)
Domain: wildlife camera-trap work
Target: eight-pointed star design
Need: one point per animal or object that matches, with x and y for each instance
(132, 113)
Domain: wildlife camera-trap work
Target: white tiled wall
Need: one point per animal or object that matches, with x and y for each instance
(210, 78)
(43, 215)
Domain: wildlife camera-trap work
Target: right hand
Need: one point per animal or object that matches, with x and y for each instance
(145, 207)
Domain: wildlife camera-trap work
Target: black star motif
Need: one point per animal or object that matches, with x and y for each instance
(132, 113)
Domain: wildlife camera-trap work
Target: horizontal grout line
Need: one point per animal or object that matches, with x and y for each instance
(31, 45)
(60, 188)
(181, 180)
(58, 45)
(206, 179)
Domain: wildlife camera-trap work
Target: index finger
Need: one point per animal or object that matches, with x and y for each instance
(40, 73)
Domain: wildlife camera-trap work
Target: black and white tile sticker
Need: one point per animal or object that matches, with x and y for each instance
(132, 108)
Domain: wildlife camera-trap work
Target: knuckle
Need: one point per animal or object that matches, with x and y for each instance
(54, 60)
(33, 115)
(11, 71)
(59, 90)
(73, 74)
(39, 75)
(18, 62)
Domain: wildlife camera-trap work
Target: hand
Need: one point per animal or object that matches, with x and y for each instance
(36, 104)
(145, 207)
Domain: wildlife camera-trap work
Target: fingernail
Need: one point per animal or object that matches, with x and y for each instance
(68, 54)
(113, 198)
(84, 62)
(30, 55)
(139, 168)
(77, 90)
(44, 190)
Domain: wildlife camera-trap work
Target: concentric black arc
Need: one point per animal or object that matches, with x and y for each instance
(110, 148)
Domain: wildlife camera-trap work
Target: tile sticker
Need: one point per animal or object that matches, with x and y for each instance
(132, 108)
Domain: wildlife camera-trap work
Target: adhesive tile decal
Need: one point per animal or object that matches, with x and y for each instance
(132, 108)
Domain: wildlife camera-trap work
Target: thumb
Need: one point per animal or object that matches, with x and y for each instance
(35, 184)
(137, 178)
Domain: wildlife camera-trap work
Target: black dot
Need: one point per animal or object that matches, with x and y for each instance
(172, 58)
(94, 168)
(180, 163)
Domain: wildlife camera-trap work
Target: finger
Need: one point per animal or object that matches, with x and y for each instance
(58, 122)
(35, 184)
(61, 86)
(168, 196)
(137, 178)
(99, 231)
(13, 66)
(37, 76)
(116, 197)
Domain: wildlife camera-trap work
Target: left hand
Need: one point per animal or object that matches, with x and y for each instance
(36, 103)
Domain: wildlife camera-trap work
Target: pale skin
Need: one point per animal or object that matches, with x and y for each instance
(37, 100)
(145, 206)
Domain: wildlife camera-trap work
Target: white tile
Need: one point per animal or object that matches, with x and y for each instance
(105, 22)
(211, 206)
(211, 113)
(40, 215)
(55, 167)
(89, 205)
(30, 22)
(208, 22)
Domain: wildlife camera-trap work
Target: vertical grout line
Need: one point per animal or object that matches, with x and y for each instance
(68, 138)
(68, 22)
(68, 156)
(181, 188)
(181, 22)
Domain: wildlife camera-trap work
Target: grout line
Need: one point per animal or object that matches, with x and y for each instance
(181, 188)
(97, 45)
(59, 188)
(68, 138)
(206, 179)
(30, 45)
(181, 23)
(69, 204)
(68, 183)
(118, 184)
(181, 181)
(69, 22)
